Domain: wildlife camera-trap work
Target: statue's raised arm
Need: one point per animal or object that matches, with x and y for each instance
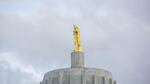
(77, 39)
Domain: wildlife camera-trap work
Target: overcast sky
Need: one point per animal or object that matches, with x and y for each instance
(36, 37)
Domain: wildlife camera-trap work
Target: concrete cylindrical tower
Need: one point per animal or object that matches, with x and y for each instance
(78, 74)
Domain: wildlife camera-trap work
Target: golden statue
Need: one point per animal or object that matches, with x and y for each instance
(77, 39)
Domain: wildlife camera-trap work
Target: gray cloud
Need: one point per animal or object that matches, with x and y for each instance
(37, 35)
(13, 71)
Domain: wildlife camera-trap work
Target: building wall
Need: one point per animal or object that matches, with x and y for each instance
(78, 76)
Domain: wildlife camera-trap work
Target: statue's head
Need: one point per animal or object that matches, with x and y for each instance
(76, 28)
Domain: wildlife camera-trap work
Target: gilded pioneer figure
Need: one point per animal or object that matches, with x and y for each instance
(77, 39)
